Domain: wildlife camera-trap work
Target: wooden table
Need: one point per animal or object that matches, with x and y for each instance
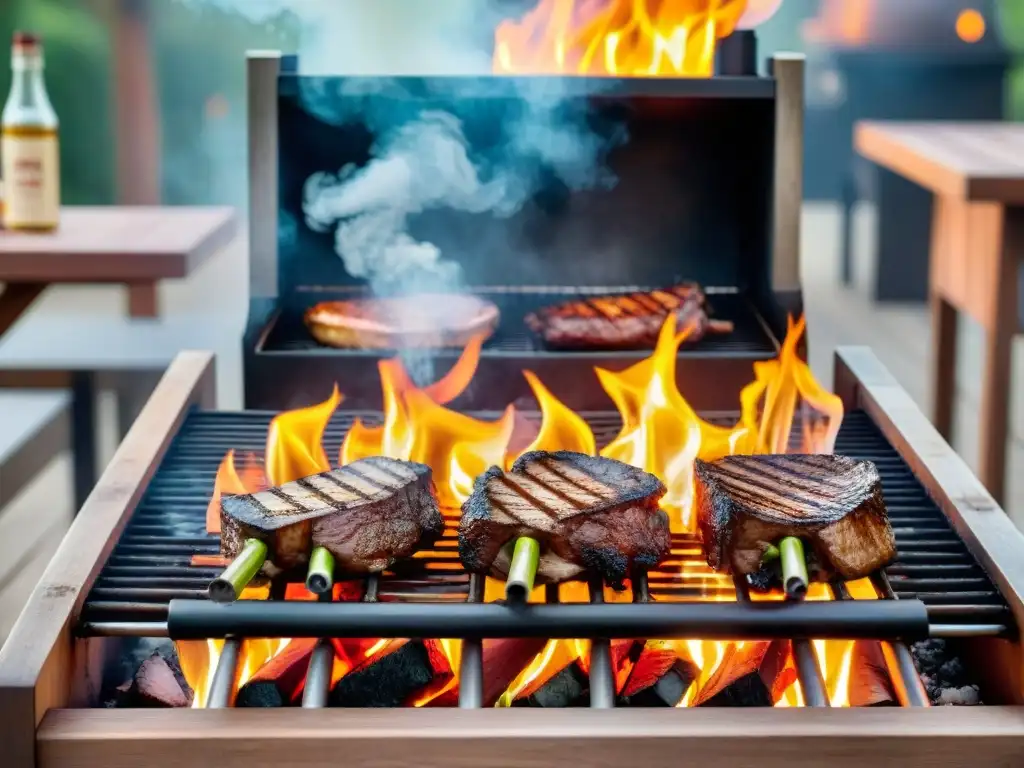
(133, 246)
(976, 173)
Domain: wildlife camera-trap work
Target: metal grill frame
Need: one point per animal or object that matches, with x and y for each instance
(45, 671)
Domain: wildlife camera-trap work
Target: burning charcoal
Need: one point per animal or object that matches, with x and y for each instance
(777, 670)
(870, 685)
(747, 691)
(588, 514)
(570, 687)
(747, 505)
(278, 682)
(660, 677)
(503, 660)
(157, 685)
(737, 663)
(387, 680)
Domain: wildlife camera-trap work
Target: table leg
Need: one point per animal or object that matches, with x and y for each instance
(83, 435)
(15, 299)
(846, 204)
(943, 364)
(143, 300)
(1000, 329)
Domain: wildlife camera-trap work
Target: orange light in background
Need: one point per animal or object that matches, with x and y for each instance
(970, 25)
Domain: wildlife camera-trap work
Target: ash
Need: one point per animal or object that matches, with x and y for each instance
(944, 675)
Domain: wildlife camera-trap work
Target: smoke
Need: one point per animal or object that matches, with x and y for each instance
(421, 159)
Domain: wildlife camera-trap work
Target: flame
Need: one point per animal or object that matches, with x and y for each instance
(230, 481)
(616, 37)
(294, 441)
(417, 427)
(661, 433)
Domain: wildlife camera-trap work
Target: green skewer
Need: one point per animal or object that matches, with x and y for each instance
(229, 585)
(320, 577)
(794, 567)
(523, 570)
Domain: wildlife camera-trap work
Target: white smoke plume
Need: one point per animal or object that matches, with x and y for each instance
(420, 161)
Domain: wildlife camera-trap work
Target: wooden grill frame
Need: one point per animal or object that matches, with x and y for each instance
(45, 672)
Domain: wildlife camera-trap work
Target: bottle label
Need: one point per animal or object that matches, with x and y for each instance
(31, 174)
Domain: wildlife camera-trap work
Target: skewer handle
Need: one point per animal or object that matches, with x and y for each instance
(229, 585)
(320, 577)
(523, 569)
(794, 567)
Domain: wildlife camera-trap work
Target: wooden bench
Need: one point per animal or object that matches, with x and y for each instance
(975, 172)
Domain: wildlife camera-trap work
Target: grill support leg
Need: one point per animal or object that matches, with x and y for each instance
(83, 435)
(223, 686)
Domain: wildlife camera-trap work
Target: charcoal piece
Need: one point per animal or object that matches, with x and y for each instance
(387, 681)
(967, 696)
(660, 676)
(368, 514)
(668, 689)
(278, 682)
(943, 674)
(589, 514)
(503, 660)
(870, 685)
(746, 504)
(778, 670)
(157, 686)
(737, 662)
(568, 688)
(747, 691)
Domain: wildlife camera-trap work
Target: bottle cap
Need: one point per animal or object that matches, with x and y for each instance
(25, 41)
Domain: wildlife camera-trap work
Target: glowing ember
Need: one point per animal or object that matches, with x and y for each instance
(616, 37)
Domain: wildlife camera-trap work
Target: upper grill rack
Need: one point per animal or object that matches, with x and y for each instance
(287, 334)
(151, 564)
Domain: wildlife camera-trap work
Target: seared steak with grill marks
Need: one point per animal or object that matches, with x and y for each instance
(368, 514)
(745, 504)
(588, 513)
(625, 321)
(421, 320)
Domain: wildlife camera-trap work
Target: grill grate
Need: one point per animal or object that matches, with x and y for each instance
(750, 336)
(151, 564)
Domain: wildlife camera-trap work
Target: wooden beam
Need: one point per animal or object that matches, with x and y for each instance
(37, 660)
(522, 738)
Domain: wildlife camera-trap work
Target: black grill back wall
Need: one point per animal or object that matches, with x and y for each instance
(687, 191)
(687, 194)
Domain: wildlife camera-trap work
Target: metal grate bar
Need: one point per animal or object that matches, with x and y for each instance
(602, 673)
(471, 667)
(222, 687)
(902, 671)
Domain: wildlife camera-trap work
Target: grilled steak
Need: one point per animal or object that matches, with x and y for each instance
(368, 514)
(588, 513)
(423, 320)
(625, 321)
(745, 504)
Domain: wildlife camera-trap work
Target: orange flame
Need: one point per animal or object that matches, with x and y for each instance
(616, 37)
(660, 433)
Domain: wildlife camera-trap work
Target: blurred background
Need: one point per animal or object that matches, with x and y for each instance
(151, 98)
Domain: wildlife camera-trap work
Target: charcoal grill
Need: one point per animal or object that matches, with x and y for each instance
(957, 576)
(708, 189)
